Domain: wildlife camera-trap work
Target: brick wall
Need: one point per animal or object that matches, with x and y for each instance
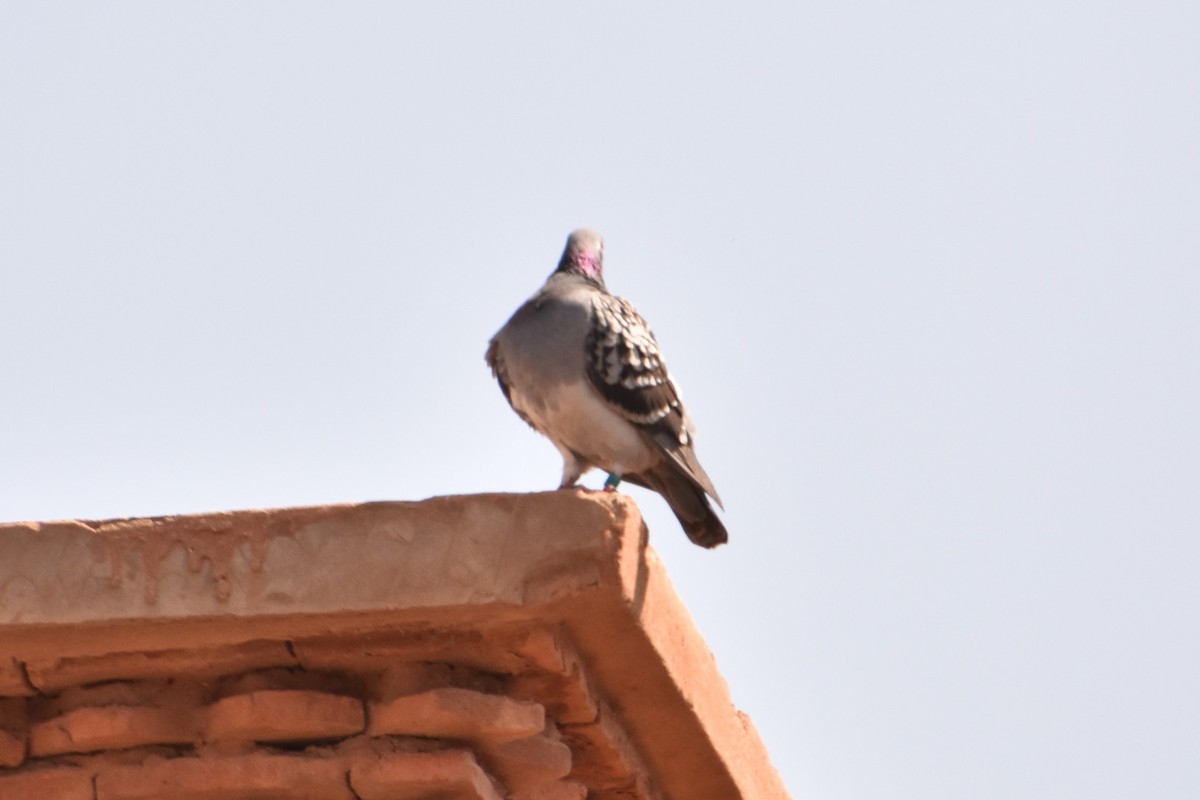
(349, 720)
(509, 647)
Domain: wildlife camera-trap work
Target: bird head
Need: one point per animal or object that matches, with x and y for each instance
(584, 256)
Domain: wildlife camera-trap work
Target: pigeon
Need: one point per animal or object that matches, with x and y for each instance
(582, 367)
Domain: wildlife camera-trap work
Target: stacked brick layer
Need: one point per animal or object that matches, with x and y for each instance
(412, 729)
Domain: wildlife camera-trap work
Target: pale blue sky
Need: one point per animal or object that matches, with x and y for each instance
(928, 275)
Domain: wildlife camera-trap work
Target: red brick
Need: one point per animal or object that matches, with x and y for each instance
(258, 776)
(566, 697)
(288, 680)
(491, 653)
(560, 684)
(284, 716)
(604, 755)
(53, 783)
(458, 714)
(411, 677)
(178, 694)
(14, 727)
(54, 674)
(529, 763)
(87, 729)
(12, 749)
(14, 713)
(447, 774)
(562, 790)
(12, 679)
(635, 788)
(414, 678)
(543, 649)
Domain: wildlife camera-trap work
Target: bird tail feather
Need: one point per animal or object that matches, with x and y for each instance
(687, 500)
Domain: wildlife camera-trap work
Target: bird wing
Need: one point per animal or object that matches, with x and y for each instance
(625, 365)
(496, 361)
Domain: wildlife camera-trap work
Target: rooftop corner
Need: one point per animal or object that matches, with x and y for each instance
(524, 646)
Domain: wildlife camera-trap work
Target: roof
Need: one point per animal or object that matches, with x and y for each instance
(482, 646)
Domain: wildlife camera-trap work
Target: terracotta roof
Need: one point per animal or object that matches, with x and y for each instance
(488, 646)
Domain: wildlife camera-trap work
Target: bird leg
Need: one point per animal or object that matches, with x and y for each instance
(612, 482)
(573, 469)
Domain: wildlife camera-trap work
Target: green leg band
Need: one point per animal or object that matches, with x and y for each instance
(612, 482)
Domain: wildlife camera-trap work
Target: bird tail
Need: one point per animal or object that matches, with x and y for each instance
(688, 501)
(707, 531)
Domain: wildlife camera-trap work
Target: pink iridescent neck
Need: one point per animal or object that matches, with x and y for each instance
(588, 264)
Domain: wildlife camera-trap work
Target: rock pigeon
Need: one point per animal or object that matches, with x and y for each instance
(582, 367)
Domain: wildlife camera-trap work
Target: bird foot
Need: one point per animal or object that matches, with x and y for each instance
(579, 487)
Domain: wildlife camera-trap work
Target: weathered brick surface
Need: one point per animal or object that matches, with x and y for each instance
(14, 726)
(14, 714)
(458, 714)
(417, 677)
(560, 790)
(636, 788)
(494, 653)
(543, 649)
(279, 679)
(284, 716)
(174, 694)
(529, 763)
(12, 679)
(51, 783)
(606, 757)
(542, 610)
(12, 749)
(566, 696)
(54, 674)
(258, 776)
(448, 774)
(86, 729)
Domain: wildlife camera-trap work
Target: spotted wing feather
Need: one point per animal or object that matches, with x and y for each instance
(626, 367)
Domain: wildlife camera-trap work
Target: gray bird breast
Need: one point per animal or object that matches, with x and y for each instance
(543, 350)
(543, 343)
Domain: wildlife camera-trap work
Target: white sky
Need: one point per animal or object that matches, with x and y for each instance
(928, 274)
